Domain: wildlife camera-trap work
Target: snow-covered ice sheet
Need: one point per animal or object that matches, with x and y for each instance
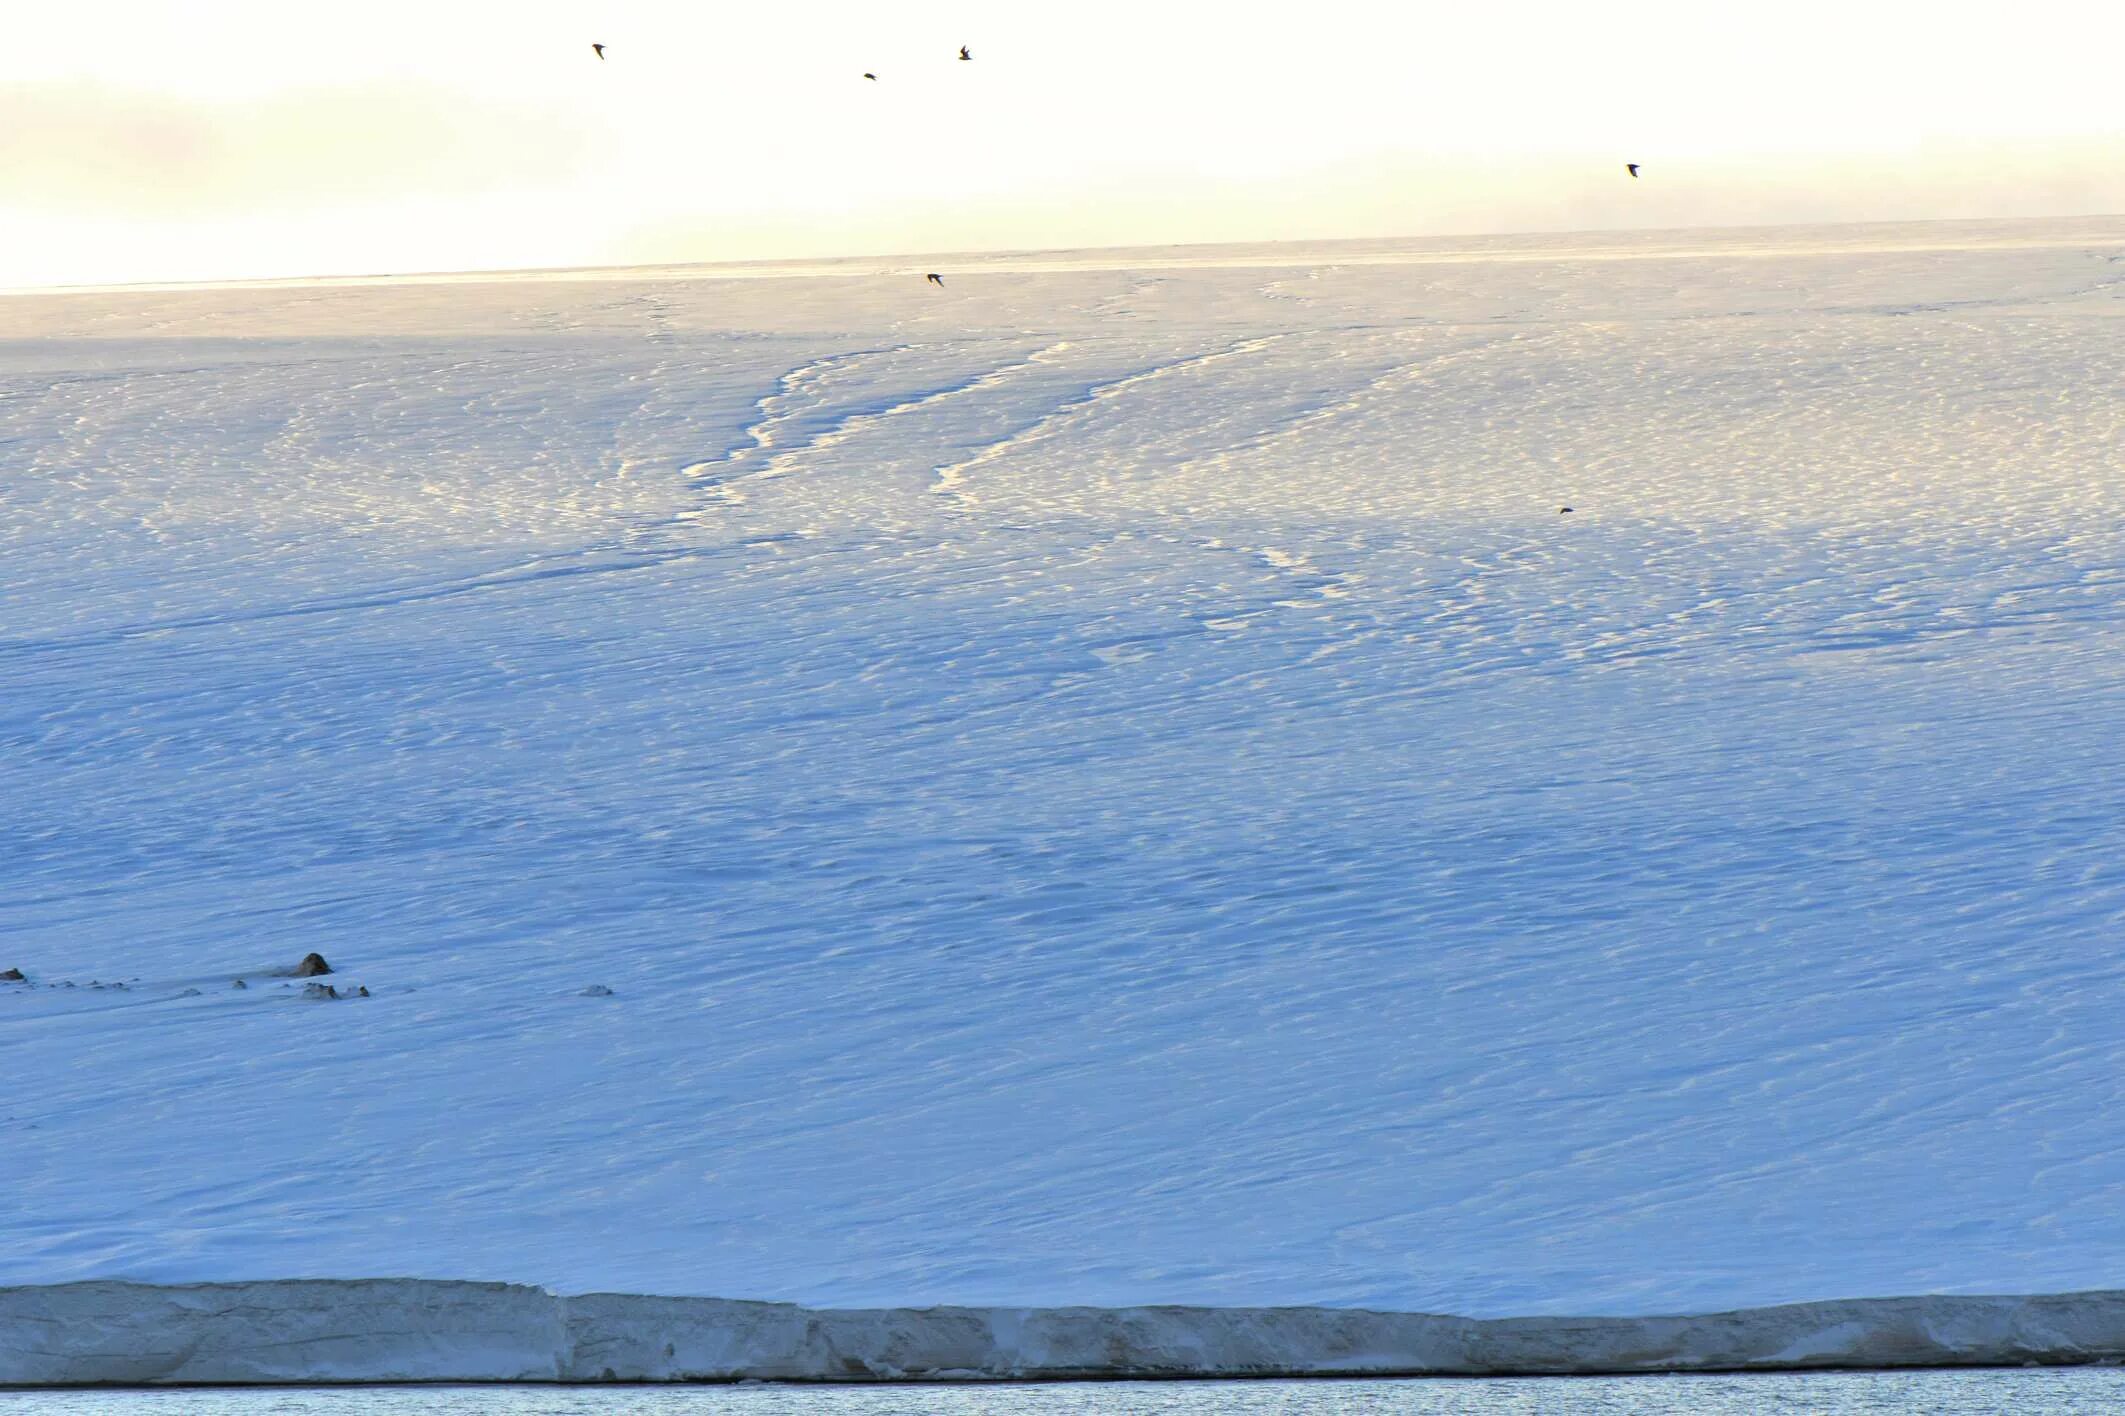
(1106, 783)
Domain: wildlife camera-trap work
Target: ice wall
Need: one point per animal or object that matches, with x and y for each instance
(417, 1330)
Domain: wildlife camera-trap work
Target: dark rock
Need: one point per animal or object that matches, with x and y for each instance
(319, 990)
(311, 966)
(13, 976)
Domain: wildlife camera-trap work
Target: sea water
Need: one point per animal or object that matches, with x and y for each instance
(2049, 1392)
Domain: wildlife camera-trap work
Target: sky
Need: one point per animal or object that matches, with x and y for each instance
(142, 140)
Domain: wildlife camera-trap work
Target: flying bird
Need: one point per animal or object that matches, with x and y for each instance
(935, 279)
(872, 77)
(963, 52)
(598, 49)
(1631, 167)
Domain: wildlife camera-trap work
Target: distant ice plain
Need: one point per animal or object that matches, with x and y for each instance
(1106, 783)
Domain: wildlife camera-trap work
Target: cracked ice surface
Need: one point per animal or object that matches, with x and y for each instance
(1109, 783)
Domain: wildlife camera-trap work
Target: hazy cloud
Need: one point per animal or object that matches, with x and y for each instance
(1416, 195)
(85, 147)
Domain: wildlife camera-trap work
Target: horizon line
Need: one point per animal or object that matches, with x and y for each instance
(1410, 250)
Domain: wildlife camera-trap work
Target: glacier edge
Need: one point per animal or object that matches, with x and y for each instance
(284, 1332)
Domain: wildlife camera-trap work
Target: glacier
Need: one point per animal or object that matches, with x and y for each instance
(1114, 783)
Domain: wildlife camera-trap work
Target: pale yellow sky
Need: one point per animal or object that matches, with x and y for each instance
(155, 141)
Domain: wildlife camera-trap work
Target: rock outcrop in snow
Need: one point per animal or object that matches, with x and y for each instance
(412, 1330)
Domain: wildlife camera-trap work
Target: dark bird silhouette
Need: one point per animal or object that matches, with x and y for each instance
(1563, 510)
(598, 49)
(1631, 167)
(963, 52)
(935, 279)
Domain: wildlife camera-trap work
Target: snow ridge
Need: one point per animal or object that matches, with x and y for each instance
(952, 478)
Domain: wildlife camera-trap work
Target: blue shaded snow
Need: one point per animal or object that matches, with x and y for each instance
(1077, 809)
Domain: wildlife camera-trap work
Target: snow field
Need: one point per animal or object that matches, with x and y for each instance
(1097, 785)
